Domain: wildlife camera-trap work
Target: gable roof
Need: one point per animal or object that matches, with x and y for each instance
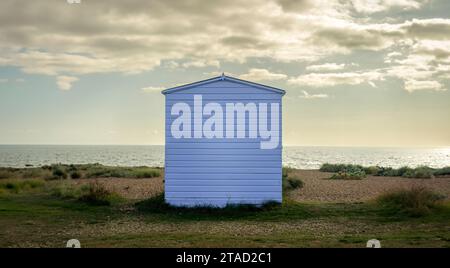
(223, 77)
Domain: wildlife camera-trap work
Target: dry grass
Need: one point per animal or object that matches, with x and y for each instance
(416, 202)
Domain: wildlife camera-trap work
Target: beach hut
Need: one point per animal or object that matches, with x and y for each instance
(223, 143)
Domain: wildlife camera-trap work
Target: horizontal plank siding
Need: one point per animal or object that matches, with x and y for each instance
(220, 171)
(213, 170)
(221, 188)
(210, 194)
(222, 182)
(228, 145)
(221, 176)
(223, 151)
(222, 157)
(224, 164)
(219, 202)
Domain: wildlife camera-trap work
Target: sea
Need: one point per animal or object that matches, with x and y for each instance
(302, 157)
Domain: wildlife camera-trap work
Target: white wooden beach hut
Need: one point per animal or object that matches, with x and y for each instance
(223, 143)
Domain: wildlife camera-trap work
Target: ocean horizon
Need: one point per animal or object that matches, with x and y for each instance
(302, 157)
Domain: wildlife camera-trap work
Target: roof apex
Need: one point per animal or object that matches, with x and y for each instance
(223, 77)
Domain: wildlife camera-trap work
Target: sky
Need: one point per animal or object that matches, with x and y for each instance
(357, 73)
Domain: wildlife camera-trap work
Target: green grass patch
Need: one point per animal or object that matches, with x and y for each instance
(344, 171)
(386, 209)
(97, 194)
(415, 202)
(445, 171)
(290, 181)
(17, 186)
(93, 193)
(66, 190)
(349, 171)
(24, 173)
(7, 173)
(59, 172)
(355, 175)
(422, 172)
(327, 167)
(75, 175)
(101, 171)
(157, 204)
(40, 219)
(62, 171)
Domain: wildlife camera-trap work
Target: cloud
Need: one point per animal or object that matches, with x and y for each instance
(131, 37)
(426, 63)
(4, 80)
(433, 29)
(152, 89)
(201, 64)
(246, 42)
(325, 67)
(412, 67)
(374, 6)
(391, 56)
(439, 49)
(345, 36)
(111, 36)
(296, 5)
(333, 79)
(414, 85)
(37, 62)
(255, 74)
(306, 95)
(65, 82)
(350, 36)
(372, 84)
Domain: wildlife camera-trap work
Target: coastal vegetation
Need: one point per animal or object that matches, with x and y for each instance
(63, 171)
(93, 193)
(350, 171)
(416, 202)
(39, 208)
(19, 186)
(290, 181)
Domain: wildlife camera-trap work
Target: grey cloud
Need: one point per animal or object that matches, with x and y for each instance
(296, 5)
(118, 43)
(380, 36)
(349, 39)
(439, 52)
(428, 29)
(245, 42)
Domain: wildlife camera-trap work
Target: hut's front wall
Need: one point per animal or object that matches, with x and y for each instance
(202, 171)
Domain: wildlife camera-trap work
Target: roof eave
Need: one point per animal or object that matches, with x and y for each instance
(186, 86)
(223, 77)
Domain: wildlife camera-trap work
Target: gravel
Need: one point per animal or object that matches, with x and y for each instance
(318, 188)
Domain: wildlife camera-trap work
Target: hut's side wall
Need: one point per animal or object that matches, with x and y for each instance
(216, 172)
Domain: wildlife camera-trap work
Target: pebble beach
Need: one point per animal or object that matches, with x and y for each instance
(317, 187)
